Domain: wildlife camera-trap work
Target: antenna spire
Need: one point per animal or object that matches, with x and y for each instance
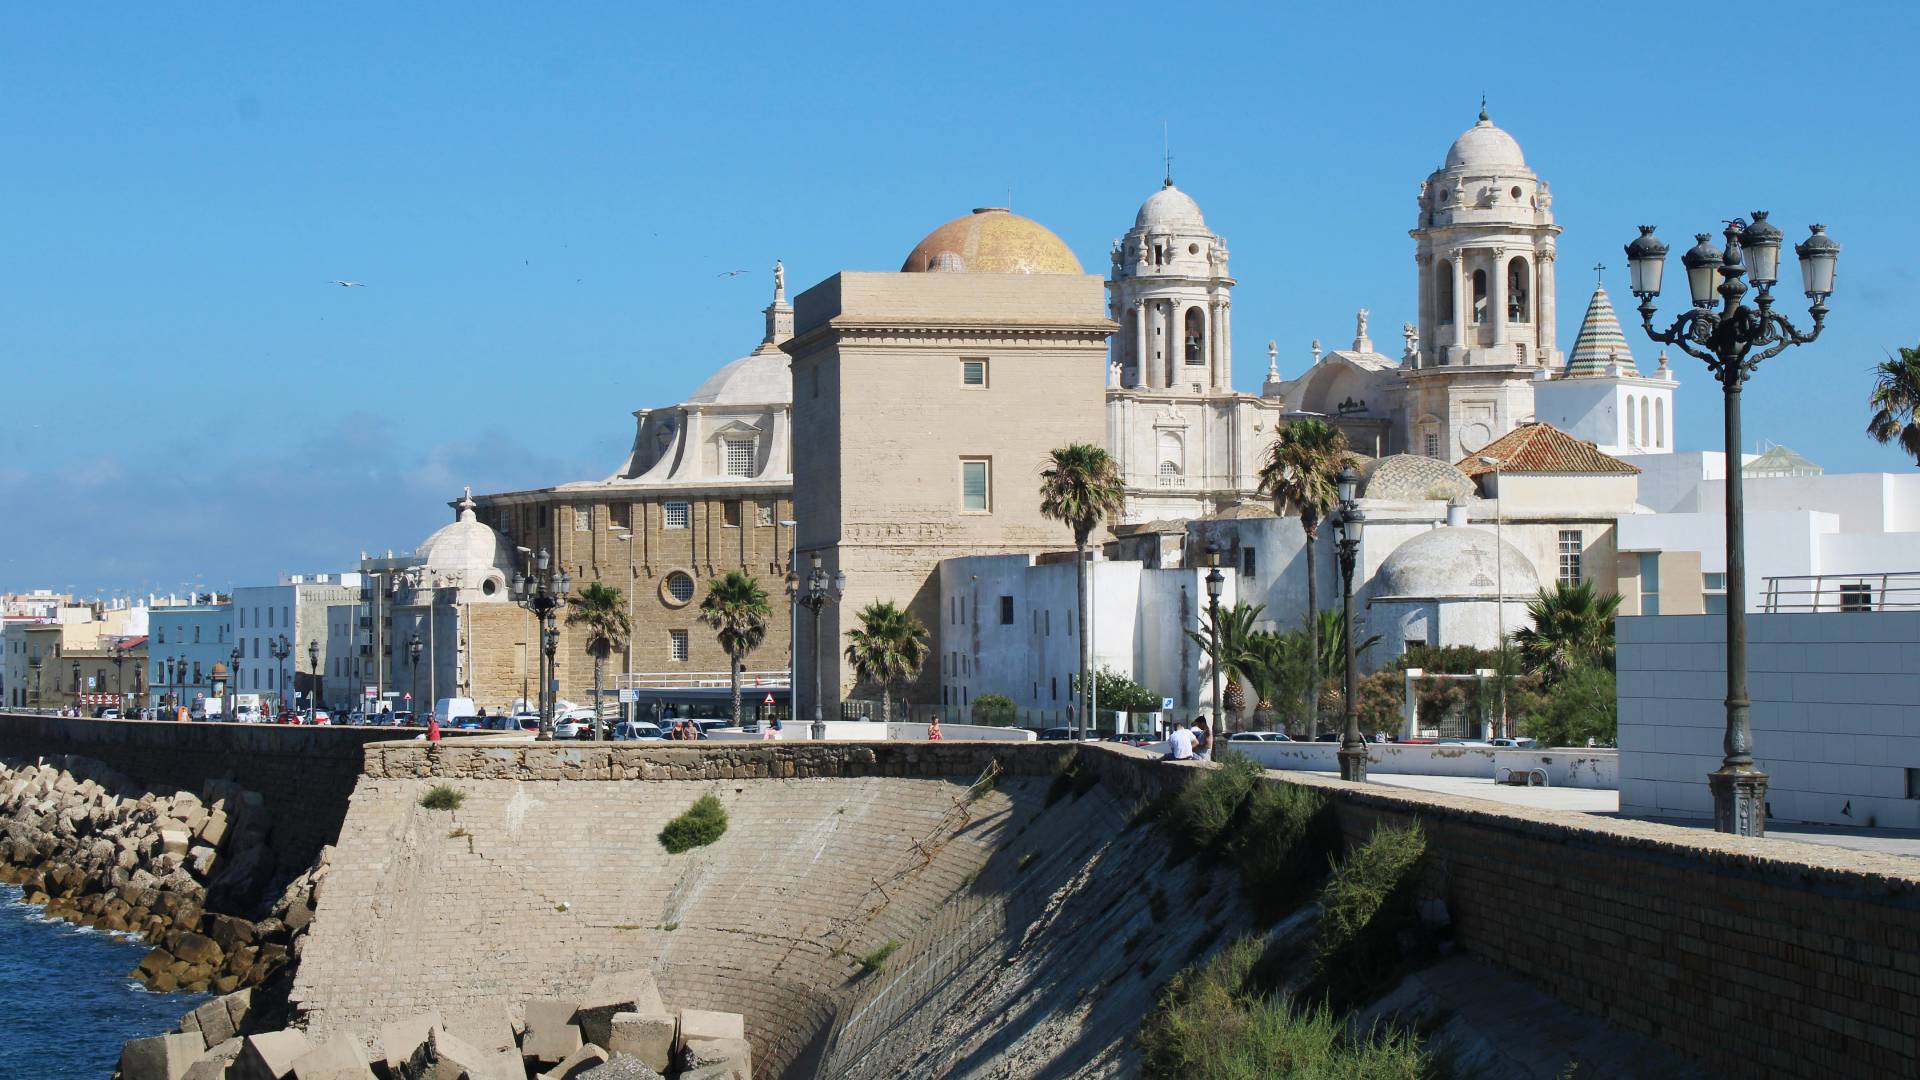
(1483, 105)
(1166, 151)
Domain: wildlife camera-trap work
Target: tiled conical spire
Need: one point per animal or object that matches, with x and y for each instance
(1600, 342)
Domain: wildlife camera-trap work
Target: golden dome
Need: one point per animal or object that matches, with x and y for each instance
(992, 240)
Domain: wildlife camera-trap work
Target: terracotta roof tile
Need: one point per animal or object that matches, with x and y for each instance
(1543, 448)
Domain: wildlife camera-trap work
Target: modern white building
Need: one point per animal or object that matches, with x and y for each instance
(294, 609)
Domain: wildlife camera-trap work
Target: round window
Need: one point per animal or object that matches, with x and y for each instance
(1516, 193)
(677, 589)
(489, 587)
(1193, 249)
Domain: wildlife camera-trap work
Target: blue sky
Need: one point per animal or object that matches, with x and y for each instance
(540, 197)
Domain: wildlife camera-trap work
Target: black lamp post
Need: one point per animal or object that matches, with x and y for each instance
(1347, 526)
(76, 686)
(120, 678)
(818, 590)
(543, 592)
(280, 648)
(1215, 579)
(414, 647)
(313, 690)
(233, 684)
(1732, 341)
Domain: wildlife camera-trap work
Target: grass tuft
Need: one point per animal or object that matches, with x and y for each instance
(1200, 813)
(1363, 907)
(702, 824)
(443, 797)
(1283, 845)
(877, 959)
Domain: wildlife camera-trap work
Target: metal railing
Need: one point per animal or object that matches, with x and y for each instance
(697, 680)
(1889, 591)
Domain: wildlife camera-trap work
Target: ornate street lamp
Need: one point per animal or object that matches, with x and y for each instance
(543, 593)
(1347, 526)
(313, 689)
(1732, 341)
(76, 686)
(280, 648)
(1215, 579)
(813, 595)
(414, 647)
(233, 681)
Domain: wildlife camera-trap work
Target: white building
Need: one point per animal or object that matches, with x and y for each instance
(294, 609)
(1602, 397)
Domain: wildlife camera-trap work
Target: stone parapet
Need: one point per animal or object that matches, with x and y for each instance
(517, 759)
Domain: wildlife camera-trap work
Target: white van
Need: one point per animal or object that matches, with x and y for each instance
(451, 710)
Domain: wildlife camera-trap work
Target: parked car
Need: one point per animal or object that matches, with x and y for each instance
(322, 716)
(1513, 744)
(402, 718)
(569, 727)
(1259, 736)
(1059, 734)
(638, 729)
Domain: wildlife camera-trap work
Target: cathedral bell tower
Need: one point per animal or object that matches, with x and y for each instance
(1171, 295)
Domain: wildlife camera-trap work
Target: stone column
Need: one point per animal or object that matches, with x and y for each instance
(1462, 299)
(1423, 310)
(1543, 288)
(1140, 344)
(1214, 355)
(1225, 335)
(1497, 299)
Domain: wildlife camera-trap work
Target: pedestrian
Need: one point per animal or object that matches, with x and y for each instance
(1202, 741)
(433, 728)
(1179, 745)
(933, 730)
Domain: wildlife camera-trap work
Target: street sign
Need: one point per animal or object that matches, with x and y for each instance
(408, 696)
(768, 700)
(1166, 704)
(629, 695)
(373, 691)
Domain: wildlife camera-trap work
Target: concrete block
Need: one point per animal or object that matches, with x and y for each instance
(400, 1039)
(486, 1026)
(707, 1024)
(215, 1025)
(448, 1057)
(621, 1067)
(551, 1033)
(617, 992)
(721, 1071)
(162, 1057)
(239, 1006)
(175, 841)
(269, 1056)
(576, 1064)
(647, 1036)
(339, 1058)
(215, 830)
(733, 1058)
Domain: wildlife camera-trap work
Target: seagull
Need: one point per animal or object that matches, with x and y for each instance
(348, 284)
(732, 273)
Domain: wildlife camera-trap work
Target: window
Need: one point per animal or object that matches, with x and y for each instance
(740, 455)
(763, 513)
(1570, 548)
(677, 646)
(1630, 428)
(679, 515)
(1660, 422)
(1246, 562)
(1649, 582)
(973, 373)
(196, 635)
(163, 635)
(1520, 352)
(1713, 593)
(730, 513)
(1006, 611)
(582, 518)
(1169, 474)
(679, 587)
(619, 515)
(1856, 597)
(1433, 444)
(975, 485)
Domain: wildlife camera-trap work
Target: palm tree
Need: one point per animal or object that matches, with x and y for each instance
(736, 608)
(889, 646)
(1300, 475)
(600, 609)
(1896, 397)
(1572, 628)
(1081, 487)
(1237, 661)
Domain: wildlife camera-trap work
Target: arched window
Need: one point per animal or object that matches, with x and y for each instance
(1646, 429)
(1479, 297)
(1630, 439)
(1169, 474)
(1194, 341)
(1519, 297)
(1660, 422)
(1443, 291)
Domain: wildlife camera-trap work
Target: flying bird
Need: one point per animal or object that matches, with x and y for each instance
(732, 273)
(349, 284)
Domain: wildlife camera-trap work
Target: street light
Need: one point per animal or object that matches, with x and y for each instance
(1732, 342)
(1215, 579)
(819, 589)
(543, 593)
(414, 646)
(633, 580)
(1353, 748)
(76, 685)
(233, 684)
(1500, 583)
(280, 648)
(313, 690)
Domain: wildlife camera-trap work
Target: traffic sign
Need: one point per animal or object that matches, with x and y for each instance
(408, 696)
(1166, 704)
(768, 700)
(629, 695)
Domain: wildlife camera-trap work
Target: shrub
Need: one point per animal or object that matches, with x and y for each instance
(443, 797)
(702, 824)
(1582, 705)
(993, 710)
(1364, 905)
(877, 959)
(1284, 845)
(1200, 812)
(1213, 1022)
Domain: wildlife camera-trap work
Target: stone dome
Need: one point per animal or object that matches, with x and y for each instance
(1170, 209)
(992, 240)
(763, 378)
(1455, 562)
(1415, 478)
(1484, 146)
(467, 554)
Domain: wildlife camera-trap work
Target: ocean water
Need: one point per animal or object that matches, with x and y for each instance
(66, 1003)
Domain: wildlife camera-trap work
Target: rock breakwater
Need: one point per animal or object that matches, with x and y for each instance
(187, 871)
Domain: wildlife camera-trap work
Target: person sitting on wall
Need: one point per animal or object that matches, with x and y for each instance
(933, 729)
(1202, 741)
(1179, 745)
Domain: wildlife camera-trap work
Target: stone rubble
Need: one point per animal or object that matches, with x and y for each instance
(231, 1038)
(179, 870)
